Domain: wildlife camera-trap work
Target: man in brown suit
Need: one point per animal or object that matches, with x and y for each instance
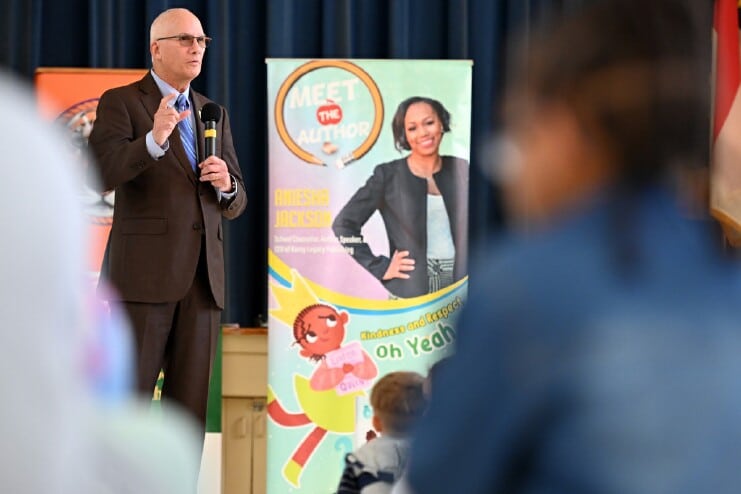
(165, 253)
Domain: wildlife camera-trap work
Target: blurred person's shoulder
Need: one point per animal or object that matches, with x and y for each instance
(517, 250)
(136, 447)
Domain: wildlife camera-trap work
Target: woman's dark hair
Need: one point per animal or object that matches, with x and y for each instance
(635, 74)
(397, 124)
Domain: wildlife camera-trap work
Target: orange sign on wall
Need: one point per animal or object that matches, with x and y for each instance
(70, 97)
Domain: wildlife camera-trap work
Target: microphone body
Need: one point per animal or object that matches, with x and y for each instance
(210, 116)
(210, 134)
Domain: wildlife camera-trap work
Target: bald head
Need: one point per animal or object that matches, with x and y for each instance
(165, 23)
(173, 60)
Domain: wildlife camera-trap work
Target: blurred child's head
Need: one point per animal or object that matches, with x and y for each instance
(398, 401)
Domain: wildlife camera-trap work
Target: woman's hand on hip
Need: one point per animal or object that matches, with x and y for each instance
(400, 264)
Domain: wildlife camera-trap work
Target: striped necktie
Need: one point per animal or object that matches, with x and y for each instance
(186, 131)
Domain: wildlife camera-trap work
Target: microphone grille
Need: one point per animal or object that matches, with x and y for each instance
(211, 112)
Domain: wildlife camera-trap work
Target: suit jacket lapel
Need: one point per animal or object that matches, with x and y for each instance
(151, 100)
(198, 102)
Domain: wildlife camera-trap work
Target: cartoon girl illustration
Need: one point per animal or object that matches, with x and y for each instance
(327, 400)
(320, 330)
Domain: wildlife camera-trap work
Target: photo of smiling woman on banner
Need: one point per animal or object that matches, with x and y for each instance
(423, 201)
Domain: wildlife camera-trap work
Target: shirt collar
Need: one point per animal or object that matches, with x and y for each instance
(166, 89)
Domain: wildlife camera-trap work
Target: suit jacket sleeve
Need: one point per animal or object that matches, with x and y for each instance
(120, 148)
(119, 143)
(348, 223)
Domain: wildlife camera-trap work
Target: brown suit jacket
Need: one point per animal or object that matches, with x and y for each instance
(162, 212)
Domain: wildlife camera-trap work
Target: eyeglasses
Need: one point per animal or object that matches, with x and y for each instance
(187, 39)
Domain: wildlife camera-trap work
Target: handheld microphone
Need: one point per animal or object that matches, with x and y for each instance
(210, 116)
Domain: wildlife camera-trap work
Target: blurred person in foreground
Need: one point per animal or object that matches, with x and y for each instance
(402, 485)
(165, 253)
(69, 423)
(599, 348)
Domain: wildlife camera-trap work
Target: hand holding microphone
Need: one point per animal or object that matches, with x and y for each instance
(213, 168)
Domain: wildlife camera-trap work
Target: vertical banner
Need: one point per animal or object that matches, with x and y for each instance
(368, 193)
(70, 97)
(725, 184)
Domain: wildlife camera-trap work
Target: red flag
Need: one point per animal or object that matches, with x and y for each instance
(725, 185)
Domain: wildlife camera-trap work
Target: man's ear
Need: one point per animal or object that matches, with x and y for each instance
(343, 317)
(154, 49)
